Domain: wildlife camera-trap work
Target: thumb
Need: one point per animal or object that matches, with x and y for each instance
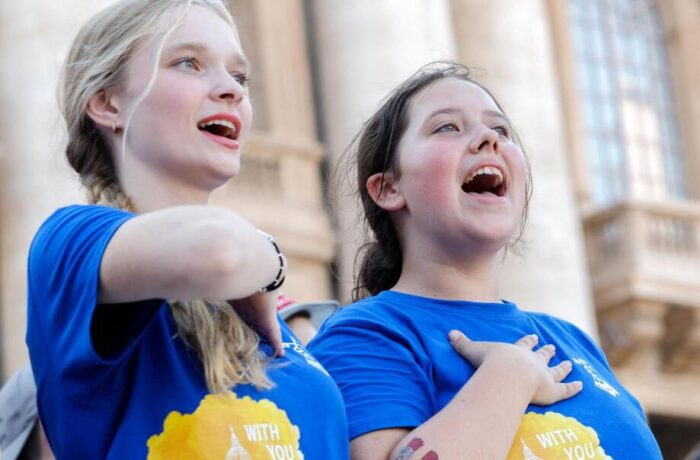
(472, 352)
(274, 336)
(460, 343)
(455, 336)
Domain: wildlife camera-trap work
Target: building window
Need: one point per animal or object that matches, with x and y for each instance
(624, 81)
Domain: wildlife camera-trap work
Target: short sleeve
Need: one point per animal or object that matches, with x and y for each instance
(63, 285)
(383, 383)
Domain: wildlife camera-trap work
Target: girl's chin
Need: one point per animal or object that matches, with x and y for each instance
(495, 236)
(220, 173)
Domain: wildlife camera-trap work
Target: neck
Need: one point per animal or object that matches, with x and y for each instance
(150, 194)
(439, 276)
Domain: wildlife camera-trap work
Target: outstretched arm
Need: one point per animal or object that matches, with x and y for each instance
(186, 253)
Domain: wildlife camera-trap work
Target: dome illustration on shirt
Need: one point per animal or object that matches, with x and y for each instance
(236, 452)
(528, 454)
(555, 436)
(225, 426)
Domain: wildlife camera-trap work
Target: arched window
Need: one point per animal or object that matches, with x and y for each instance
(623, 75)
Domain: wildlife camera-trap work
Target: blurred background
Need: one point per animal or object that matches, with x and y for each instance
(604, 94)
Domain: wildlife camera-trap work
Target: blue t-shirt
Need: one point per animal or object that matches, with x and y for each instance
(149, 399)
(393, 363)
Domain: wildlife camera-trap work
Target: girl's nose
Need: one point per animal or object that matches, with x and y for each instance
(486, 140)
(228, 88)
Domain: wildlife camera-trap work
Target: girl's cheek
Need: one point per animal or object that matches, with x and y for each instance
(437, 196)
(437, 180)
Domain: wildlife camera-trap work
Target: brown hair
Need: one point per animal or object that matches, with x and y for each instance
(381, 257)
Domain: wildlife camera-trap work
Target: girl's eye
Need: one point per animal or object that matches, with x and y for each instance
(447, 127)
(188, 63)
(502, 130)
(242, 79)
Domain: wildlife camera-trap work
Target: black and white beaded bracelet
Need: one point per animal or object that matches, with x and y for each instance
(279, 279)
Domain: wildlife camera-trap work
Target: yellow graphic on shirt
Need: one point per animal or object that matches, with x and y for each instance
(225, 427)
(552, 436)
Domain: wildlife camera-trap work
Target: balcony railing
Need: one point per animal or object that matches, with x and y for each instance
(644, 261)
(645, 250)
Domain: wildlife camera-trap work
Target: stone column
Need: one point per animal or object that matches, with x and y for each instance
(364, 48)
(681, 20)
(34, 177)
(279, 188)
(510, 46)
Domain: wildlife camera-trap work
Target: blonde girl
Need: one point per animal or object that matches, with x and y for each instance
(152, 324)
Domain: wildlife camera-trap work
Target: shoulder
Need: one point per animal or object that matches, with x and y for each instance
(75, 218)
(373, 324)
(377, 315)
(73, 221)
(367, 309)
(83, 211)
(83, 214)
(70, 241)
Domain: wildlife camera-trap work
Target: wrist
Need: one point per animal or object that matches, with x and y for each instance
(281, 268)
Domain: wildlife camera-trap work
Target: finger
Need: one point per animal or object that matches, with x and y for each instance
(546, 352)
(461, 344)
(273, 334)
(561, 370)
(559, 392)
(568, 390)
(529, 341)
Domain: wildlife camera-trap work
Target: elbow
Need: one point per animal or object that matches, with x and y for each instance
(223, 261)
(220, 259)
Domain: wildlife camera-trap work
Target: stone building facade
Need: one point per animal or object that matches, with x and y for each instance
(604, 96)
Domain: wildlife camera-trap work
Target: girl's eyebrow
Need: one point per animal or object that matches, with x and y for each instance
(199, 47)
(189, 46)
(456, 110)
(445, 110)
(495, 113)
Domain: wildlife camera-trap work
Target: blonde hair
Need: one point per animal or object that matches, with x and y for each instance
(97, 61)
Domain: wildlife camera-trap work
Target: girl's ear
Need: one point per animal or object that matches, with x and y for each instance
(384, 191)
(103, 109)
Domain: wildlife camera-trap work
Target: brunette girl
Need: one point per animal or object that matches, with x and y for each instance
(444, 185)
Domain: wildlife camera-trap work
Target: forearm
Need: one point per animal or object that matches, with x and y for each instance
(186, 253)
(479, 422)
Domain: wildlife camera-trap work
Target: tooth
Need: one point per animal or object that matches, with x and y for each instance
(225, 123)
(489, 170)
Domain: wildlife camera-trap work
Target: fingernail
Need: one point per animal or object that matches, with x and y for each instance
(566, 363)
(454, 336)
(578, 384)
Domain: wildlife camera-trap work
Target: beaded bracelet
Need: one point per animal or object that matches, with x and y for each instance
(279, 279)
